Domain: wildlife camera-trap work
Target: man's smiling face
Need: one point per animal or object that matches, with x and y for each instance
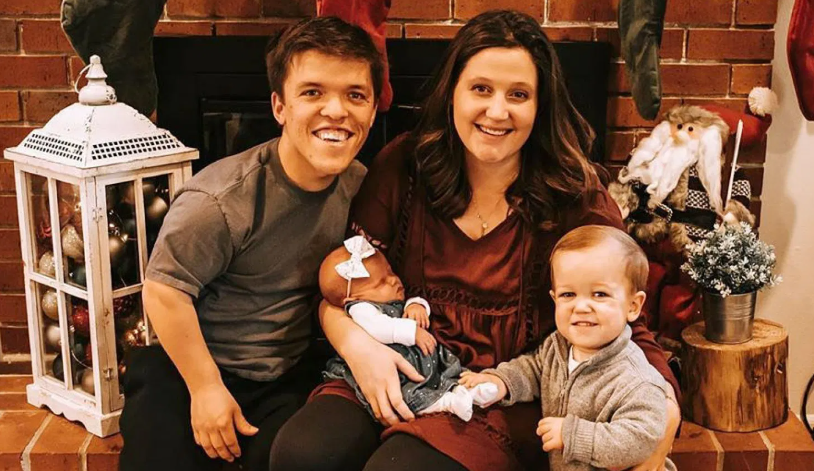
(326, 111)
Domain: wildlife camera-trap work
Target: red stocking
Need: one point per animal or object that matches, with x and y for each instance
(370, 15)
(800, 48)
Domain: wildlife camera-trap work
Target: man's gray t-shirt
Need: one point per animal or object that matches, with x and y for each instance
(246, 244)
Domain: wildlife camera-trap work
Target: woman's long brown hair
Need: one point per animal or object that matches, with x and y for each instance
(554, 171)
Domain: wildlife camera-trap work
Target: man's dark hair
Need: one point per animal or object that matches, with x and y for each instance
(327, 35)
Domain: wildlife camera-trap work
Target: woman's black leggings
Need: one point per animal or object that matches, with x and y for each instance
(333, 434)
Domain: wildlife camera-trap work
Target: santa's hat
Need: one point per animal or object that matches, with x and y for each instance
(756, 117)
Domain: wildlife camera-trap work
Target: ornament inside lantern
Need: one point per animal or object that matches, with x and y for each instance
(93, 187)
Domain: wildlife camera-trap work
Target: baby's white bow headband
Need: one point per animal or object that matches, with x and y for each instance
(354, 267)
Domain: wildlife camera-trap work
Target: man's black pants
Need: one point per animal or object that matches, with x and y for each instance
(155, 422)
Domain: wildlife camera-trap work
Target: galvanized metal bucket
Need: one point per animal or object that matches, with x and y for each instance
(728, 319)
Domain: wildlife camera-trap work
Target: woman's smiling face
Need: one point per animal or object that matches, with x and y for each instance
(494, 104)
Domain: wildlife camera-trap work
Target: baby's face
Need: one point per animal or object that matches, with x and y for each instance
(382, 286)
(592, 296)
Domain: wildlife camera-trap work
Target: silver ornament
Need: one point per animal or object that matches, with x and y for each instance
(86, 381)
(46, 265)
(156, 210)
(116, 246)
(72, 244)
(49, 305)
(52, 336)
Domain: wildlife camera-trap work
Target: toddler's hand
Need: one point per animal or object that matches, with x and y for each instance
(418, 313)
(469, 380)
(425, 341)
(550, 430)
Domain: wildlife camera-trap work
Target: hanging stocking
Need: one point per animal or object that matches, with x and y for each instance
(120, 32)
(641, 23)
(800, 49)
(370, 15)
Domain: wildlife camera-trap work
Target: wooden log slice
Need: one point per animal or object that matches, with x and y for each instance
(735, 388)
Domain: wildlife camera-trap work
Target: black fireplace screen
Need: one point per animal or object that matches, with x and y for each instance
(214, 96)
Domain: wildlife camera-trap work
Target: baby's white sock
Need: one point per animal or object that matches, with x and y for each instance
(458, 401)
(484, 393)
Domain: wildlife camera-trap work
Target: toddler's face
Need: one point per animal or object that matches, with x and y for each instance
(592, 296)
(382, 286)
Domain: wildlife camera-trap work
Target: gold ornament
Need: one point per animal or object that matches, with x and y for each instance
(46, 266)
(72, 244)
(49, 305)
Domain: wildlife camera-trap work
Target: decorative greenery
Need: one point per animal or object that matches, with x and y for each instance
(731, 260)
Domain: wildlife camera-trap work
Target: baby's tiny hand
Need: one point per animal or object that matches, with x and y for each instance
(550, 430)
(418, 313)
(469, 380)
(425, 341)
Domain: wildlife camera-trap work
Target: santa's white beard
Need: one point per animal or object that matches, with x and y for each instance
(662, 171)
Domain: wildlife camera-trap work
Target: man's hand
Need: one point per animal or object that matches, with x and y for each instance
(469, 380)
(425, 341)
(215, 416)
(419, 314)
(375, 367)
(550, 430)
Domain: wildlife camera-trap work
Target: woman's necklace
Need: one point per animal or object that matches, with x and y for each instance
(484, 224)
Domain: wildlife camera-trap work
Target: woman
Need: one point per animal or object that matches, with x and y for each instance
(467, 208)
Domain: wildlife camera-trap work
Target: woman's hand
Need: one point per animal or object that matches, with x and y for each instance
(657, 459)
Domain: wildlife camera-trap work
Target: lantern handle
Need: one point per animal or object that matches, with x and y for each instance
(97, 92)
(78, 78)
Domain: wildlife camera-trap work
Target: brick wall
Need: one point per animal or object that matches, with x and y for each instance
(712, 50)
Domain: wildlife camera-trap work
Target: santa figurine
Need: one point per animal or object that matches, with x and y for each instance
(672, 192)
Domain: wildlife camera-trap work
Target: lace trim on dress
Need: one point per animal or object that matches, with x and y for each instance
(447, 295)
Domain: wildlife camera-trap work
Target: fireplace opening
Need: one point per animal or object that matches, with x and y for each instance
(214, 95)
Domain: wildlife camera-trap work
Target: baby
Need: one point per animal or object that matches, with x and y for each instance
(603, 403)
(358, 277)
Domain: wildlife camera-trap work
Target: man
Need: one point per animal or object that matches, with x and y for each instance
(230, 285)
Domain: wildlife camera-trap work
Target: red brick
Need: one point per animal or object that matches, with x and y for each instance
(29, 7)
(289, 8)
(11, 275)
(8, 35)
(8, 216)
(103, 453)
(58, 447)
(394, 30)
(9, 106)
(465, 10)
(617, 78)
(743, 451)
(15, 383)
(622, 112)
(33, 71)
(736, 104)
(423, 10)
(428, 31)
(730, 44)
(16, 365)
(11, 136)
(76, 65)
(254, 28)
(43, 36)
(793, 447)
(672, 42)
(15, 402)
(184, 28)
(17, 428)
(41, 106)
(695, 79)
(618, 146)
(217, 8)
(10, 245)
(582, 10)
(12, 309)
(708, 12)
(756, 12)
(14, 339)
(694, 449)
(7, 177)
(747, 76)
(576, 33)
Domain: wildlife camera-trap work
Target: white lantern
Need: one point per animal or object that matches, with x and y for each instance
(93, 186)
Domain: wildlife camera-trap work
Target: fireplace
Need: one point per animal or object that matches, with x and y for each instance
(213, 92)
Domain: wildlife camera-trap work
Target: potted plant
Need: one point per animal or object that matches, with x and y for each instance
(731, 264)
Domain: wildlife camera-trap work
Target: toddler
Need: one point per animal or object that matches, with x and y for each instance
(358, 277)
(603, 403)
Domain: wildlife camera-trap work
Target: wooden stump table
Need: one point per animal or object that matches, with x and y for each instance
(736, 388)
